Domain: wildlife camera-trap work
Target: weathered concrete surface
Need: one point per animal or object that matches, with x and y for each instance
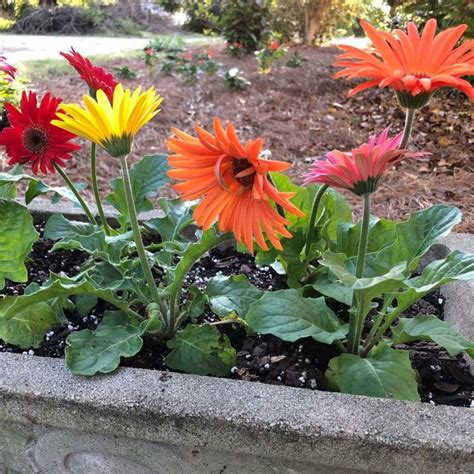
(210, 423)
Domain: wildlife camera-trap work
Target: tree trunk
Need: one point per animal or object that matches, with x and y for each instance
(314, 12)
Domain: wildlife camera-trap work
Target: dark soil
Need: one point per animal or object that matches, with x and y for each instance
(260, 358)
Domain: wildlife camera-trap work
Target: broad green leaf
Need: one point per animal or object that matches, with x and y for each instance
(89, 352)
(58, 227)
(147, 176)
(289, 316)
(327, 285)
(385, 373)
(382, 232)
(430, 328)
(416, 235)
(17, 235)
(37, 187)
(228, 294)
(8, 190)
(392, 279)
(178, 215)
(27, 328)
(56, 287)
(201, 350)
(456, 266)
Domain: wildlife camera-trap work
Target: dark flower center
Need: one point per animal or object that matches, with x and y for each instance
(35, 139)
(238, 166)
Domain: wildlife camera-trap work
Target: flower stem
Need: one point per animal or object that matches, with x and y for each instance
(74, 190)
(132, 213)
(356, 320)
(95, 187)
(312, 221)
(410, 114)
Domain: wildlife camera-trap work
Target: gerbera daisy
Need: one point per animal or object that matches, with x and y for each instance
(31, 138)
(6, 68)
(360, 170)
(413, 65)
(232, 181)
(94, 76)
(111, 125)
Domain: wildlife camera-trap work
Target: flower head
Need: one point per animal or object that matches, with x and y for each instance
(231, 179)
(413, 65)
(111, 125)
(274, 45)
(360, 170)
(31, 138)
(7, 69)
(94, 76)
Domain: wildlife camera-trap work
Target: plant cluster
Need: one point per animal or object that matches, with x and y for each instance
(232, 190)
(269, 54)
(234, 80)
(9, 88)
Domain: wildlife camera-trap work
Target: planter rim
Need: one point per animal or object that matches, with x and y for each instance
(318, 428)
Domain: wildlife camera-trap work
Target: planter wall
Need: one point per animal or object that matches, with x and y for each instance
(139, 421)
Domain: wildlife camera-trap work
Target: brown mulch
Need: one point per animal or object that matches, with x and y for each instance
(302, 113)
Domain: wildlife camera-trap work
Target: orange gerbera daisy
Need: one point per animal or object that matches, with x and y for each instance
(232, 180)
(413, 65)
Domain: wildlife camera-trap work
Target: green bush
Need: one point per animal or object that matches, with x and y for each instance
(246, 22)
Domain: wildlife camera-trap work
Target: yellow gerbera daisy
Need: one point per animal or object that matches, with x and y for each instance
(111, 125)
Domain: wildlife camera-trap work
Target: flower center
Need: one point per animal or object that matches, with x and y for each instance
(244, 173)
(35, 139)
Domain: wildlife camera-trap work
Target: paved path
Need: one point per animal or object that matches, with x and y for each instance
(18, 48)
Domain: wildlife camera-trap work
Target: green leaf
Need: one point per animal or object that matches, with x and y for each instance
(201, 350)
(417, 235)
(17, 235)
(27, 328)
(8, 189)
(178, 215)
(327, 285)
(37, 187)
(430, 328)
(385, 373)
(89, 352)
(456, 266)
(147, 176)
(228, 294)
(289, 316)
(26, 306)
(58, 227)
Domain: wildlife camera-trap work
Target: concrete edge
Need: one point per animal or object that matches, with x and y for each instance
(317, 427)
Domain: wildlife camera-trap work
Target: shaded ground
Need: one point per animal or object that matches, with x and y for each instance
(302, 113)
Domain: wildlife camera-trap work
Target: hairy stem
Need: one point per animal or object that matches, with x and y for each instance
(312, 221)
(132, 213)
(76, 193)
(95, 187)
(410, 114)
(356, 320)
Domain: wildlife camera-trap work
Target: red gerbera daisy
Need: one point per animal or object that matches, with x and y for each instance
(32, 139)
(95, 77)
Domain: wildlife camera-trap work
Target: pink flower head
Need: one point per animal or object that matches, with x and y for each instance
(6, 68)
(274, 45)
(360, 170)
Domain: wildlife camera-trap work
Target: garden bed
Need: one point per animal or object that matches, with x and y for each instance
(260, 358)
(302, 113)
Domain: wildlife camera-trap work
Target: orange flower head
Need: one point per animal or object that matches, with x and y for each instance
(413, 65)
(232, 181)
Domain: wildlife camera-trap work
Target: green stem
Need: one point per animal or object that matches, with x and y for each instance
(181, 270)
(132, 213)
(74, 190)
(95, 187)
(356, 320)
(312, 221)
(410, 114)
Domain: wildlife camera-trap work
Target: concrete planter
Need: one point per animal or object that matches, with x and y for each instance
(139, 421)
